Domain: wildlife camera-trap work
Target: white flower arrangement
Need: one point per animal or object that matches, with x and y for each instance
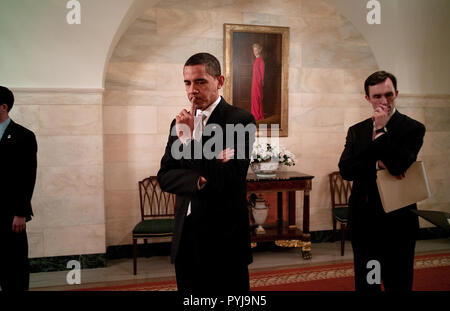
(267, 153)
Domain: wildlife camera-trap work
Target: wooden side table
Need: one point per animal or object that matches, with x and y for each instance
(285, 234)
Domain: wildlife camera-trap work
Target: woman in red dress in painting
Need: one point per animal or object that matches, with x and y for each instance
(257, 83)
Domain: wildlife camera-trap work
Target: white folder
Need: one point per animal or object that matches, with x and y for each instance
(397, 193)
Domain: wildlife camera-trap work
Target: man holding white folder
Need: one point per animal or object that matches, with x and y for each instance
(388, 140)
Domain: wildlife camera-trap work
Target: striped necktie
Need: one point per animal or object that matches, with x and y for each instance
(199, 126)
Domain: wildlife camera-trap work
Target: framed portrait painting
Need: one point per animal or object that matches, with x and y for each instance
(256, 61)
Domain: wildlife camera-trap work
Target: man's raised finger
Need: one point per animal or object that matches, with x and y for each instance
(185, 114)
(192, 112)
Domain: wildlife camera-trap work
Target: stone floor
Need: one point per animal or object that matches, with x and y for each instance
(120, 271)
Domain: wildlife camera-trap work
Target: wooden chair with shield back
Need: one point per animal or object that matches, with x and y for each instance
(340, 193)
(157, 214)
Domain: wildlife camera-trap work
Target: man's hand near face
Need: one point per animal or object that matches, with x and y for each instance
(184, 124)
(380, 117)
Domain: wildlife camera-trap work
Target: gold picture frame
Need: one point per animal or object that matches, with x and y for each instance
(260, 87)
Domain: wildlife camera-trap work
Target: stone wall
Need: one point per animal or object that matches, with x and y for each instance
(144, 90)
(94, 146)
(68, 200)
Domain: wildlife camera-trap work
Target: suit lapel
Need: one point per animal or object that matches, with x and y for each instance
(8, 134)
(216, 115)
(367, 134)
(394, 121)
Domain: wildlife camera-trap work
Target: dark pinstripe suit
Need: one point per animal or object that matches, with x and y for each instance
(389, 238)
(18, 150)
(211, 246)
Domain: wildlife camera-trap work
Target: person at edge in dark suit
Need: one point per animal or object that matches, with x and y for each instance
(18, 150)
(388, 140)
(211, 242)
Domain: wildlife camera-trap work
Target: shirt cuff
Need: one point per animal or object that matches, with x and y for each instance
(198, 185)
(378, 135)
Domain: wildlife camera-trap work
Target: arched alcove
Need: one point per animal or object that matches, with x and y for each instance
(328, 62)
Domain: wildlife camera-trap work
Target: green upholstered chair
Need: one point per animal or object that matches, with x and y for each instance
(157, 213)
(340, 193)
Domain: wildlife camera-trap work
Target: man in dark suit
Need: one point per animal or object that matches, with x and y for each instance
(211, 243)
(388, 140)
(18, 150)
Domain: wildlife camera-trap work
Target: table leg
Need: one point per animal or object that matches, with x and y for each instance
(280, 209)
(306, 247)
(291, 207)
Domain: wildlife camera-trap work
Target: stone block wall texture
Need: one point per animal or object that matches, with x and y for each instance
(329, 61)
(68, 200)
(95, 146)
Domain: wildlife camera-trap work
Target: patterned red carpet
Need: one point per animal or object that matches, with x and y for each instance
(431, 273)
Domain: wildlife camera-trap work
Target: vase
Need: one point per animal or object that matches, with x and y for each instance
(260, 211)
(265, 169)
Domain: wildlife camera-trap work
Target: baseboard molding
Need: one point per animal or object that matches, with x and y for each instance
(59, 263)
(432, 233)
(126, 251)
(424, 234)
(90, 261)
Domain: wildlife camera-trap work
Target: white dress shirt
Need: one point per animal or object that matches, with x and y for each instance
(389, 117)
(202, 115)
(382, 133)
(3, 126)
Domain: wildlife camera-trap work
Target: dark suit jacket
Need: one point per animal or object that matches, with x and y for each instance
(218, 211)
(18, 150)
(397, 149)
